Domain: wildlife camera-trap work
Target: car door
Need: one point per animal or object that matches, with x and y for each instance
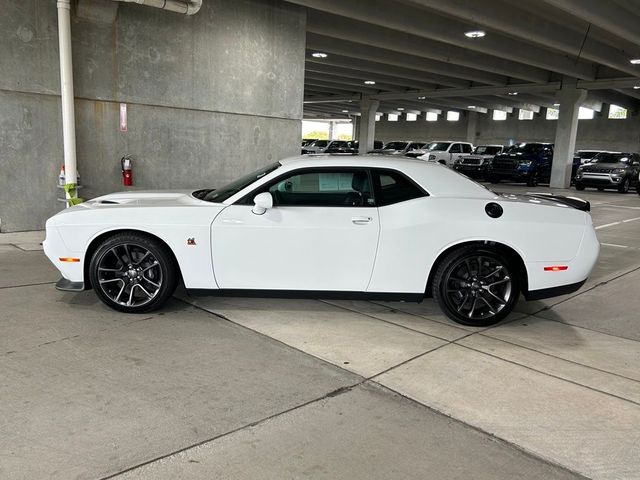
(455, 151)
(321, 234)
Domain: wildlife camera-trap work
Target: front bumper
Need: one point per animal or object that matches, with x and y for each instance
(471, 170)
(600, 180)
(68, 286)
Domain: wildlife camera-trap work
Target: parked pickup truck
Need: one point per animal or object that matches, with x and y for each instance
(475, 165)
(523, 162)
(445, 152)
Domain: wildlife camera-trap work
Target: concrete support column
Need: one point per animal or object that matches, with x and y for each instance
(472, 125)
(570, 99)
(332, 126)
(368, 109)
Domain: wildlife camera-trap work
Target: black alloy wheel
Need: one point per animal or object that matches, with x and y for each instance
(476, 286)
(625, 185)
(133, 273)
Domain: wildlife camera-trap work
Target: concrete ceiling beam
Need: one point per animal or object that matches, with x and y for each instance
(507, 17)
(367, 52)
(414, 22)
(621, 22)
(316, 67)
(377, 35)
(374, 68)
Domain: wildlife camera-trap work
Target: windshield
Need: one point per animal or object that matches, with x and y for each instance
(583, 155)
(605, 157)
(221, 194)
(487, 150)
(438, 146)
(396, 146)
(319, 143)
(526, 148)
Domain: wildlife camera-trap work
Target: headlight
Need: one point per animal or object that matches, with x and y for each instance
(526, 163)
(432, 157)
(620, 170)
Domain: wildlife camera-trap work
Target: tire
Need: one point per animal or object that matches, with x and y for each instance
(133, 273)
(532, 181)
(625, 185)
(493, 179)
(498, 289)
(579, 186)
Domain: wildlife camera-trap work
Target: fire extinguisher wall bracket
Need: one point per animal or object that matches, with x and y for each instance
(127, 171)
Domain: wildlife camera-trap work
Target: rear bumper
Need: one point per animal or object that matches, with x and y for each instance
(553, 291)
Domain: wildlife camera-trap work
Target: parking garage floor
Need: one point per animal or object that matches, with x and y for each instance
(266, 389)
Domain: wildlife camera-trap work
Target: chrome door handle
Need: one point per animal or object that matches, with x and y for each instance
(361, 220)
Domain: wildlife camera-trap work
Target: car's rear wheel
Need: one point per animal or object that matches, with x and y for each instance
(493, 179)
(476, 286)
(133, 273)
(625, 185)
(579, 186)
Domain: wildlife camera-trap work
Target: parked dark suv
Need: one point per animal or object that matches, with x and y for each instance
(609, 170)
(523, 162)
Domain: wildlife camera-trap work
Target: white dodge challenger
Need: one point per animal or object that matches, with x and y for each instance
(334, 227)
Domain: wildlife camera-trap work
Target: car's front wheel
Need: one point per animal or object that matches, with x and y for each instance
(579, 186)
(533, 180)
(133, 273)
(625, 185)
(476, 286)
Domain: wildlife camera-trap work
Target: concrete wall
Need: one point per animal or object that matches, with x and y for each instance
(601, 132)
(209, 97)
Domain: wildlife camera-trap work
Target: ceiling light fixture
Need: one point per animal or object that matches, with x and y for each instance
(471, 106)
(345, 111)
(422, 97)
(400, 109)
(636, 87)
(635, 61)
(556, 104)
(319, 55)
(369, 82)
(475, 34)
(512, 93)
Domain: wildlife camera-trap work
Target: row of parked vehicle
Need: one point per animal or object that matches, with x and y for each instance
(527, 162)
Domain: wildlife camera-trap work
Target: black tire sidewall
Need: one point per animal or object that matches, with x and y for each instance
(447, 263)
(159, 251)
(625, 186)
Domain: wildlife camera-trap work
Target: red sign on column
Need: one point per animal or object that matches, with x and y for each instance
(123, 117)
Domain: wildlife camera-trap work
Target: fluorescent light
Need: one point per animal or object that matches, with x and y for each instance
(512, 93)
(556, 104)
(319, 55)
(471, 106)
(422, 97)
(400, 109)
(635, 61)
(345, 111)
(636, 87)
(476, 34)
(369, 82)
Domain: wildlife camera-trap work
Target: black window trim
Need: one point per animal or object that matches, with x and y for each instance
(248, 198)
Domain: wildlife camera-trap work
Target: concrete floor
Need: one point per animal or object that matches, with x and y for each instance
(272, 389)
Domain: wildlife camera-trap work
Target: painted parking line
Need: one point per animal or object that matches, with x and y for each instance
(617, 223)
(617, 206)
(614, 245)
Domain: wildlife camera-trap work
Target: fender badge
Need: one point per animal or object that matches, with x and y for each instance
(191, 241)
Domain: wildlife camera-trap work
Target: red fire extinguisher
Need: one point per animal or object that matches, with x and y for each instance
(127, 173)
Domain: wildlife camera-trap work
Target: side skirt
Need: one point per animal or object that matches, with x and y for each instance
(312, 294)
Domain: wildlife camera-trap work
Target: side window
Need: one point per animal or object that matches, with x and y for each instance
(325, 188)
(466, 148)
(394, 187)
(455, 148)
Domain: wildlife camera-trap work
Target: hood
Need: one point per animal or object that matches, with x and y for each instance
(518, 156)
(603, 167)
(143, 198)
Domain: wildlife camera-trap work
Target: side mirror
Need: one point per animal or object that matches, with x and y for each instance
(262, 202)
